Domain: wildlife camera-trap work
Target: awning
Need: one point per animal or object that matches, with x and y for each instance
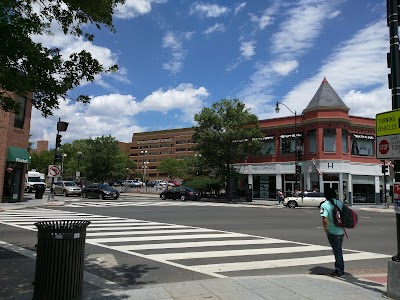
(18, 155)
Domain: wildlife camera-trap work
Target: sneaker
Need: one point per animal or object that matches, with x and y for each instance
(335, 274)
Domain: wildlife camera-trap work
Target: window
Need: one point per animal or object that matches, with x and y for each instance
(134, 147)
(20, 116)
(144, 147)
(312, 141)
(180, 149)
(329, 140)
(362, 145)
(267, 148)
(181, 142)
(287, 144)
(345, 141)
(153, 146)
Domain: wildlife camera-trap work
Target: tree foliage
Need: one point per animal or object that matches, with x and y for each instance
(98, 159)
(28, 66)
(172, 167)
(225, 134)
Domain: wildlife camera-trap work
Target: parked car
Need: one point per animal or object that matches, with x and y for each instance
(175, 182)
(100, 190)
(67, 188)
(150, 183)
(359, 198)
(313, 199)
(180, 192)
(132, 183)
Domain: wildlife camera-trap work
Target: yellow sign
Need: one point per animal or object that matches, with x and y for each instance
(388, 123)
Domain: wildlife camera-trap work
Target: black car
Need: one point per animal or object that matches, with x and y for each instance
(180, 192)
(99, 190)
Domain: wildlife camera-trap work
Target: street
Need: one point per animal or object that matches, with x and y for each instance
(134, 241)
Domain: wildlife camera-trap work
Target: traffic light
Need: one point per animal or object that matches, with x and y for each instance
(298, 169)
(58, 140)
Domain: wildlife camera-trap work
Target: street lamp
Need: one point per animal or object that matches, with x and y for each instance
(79, 156)
(296, 157)
(145, 163)
(62, 162)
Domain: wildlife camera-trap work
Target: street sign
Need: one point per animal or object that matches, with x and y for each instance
(387, 123)
(54, 171)
(388, 147)
(396, 200)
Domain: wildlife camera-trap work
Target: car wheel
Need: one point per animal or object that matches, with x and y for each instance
(183, 198)
(292, 204)
(163, 197)
(84, 195)
(116, 197)
(101, 196)
(29, 190)
(65, 194)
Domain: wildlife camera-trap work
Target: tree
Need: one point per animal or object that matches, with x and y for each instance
(225, 134)
(40, 161)
(105, 161)
(28, 66)
(171, 167)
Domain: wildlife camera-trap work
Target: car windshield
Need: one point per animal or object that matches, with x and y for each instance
(34, 179)
(69, 183)
(103, 186)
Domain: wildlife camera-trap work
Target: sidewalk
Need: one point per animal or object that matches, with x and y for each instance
(18, 267)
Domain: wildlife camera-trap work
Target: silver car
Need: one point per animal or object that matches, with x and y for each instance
(67, 188)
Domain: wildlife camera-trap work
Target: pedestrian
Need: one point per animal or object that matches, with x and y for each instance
(281, 196)
(335, 234)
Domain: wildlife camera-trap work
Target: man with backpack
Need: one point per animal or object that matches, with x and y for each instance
(334, 233)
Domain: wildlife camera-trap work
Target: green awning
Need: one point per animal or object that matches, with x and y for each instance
(19, 155)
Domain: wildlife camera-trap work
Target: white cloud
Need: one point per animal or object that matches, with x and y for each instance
(174, 42)
(239, 7)
(334, 14)
(208, 10)
(356, 70)
(284, 67)
(217, 27)
(247, 49)
(303, 25)
(184, 97)
(134, 8)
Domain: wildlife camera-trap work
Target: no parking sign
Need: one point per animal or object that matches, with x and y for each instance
(396, 200)
(54, 171)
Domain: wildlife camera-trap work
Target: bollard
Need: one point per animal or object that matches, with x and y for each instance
(60, 260)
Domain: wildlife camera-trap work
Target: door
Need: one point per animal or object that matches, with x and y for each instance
(333, 185)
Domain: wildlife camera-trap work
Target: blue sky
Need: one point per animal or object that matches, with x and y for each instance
(178, 56)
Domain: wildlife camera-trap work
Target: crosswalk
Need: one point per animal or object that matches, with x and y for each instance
(208, 251)
(104, 203)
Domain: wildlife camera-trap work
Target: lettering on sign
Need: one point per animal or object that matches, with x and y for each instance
(264, 168)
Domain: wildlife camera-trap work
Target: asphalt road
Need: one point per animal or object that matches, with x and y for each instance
(150, 258)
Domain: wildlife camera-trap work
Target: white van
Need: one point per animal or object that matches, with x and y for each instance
(34, 179)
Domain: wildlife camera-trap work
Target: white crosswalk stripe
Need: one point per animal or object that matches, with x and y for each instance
(187, 247)
(157, 203)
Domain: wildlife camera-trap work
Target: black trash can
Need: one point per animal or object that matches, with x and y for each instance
(60, 260)
(39, 191)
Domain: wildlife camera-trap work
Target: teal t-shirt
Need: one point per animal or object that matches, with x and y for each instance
(326, 211)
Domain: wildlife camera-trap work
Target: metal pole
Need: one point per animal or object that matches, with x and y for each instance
(295, 151)
(384, 186)
(393, 23)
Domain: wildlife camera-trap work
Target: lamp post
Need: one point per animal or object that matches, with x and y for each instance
(144, 153)
(79, 156)
(296, 157)
(64, 155)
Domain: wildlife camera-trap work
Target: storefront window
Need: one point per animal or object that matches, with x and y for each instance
(329, 140)
(363, 189)
(362, 145)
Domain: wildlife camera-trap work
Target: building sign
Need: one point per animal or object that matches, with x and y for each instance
(154, 141)
(362, 136)
(263, 168)
(288, 136)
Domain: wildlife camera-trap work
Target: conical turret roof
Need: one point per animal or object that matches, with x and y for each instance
(326, 97)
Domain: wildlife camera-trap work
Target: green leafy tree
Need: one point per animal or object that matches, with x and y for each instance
(40, 161)
(225, 134)
(28, 66)
(105, 161)
(171, 167)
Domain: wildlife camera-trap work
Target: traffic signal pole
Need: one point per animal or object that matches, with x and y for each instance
(394, 78)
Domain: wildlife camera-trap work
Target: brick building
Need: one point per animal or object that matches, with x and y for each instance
(14, 143)
(334, 150)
